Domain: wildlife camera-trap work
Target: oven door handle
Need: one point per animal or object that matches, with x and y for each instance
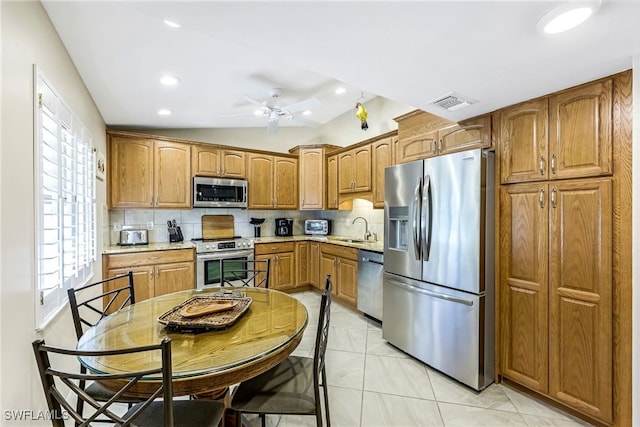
(223, 255)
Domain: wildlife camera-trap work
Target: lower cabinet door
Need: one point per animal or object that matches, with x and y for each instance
(174, 277)
(142, 282)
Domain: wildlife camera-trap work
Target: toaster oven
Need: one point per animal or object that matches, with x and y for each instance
(317, 226)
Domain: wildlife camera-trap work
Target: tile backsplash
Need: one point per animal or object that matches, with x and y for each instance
(190, 221)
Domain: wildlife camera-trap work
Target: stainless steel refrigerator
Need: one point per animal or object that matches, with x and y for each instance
(438, 286)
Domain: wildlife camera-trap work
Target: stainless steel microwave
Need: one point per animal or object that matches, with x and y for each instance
(219, 192)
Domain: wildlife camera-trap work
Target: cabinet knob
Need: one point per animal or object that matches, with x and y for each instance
(541, 165)
(541, 199)
(553, 198)
(553, 164)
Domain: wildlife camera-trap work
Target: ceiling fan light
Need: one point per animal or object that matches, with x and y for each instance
(567, 16)
(307, 112)
(164, 112)
(258, 113)
(340, 90)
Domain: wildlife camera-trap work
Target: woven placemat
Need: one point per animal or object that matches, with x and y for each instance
(173, 318)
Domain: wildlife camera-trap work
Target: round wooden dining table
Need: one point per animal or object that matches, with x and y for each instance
(204, 363)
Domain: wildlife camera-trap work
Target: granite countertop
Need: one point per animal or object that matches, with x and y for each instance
(336, 240)
(161, 246)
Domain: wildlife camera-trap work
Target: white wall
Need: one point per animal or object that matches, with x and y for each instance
(29, 38)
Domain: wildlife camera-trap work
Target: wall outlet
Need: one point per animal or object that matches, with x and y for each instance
(149, 225)
(117, 227)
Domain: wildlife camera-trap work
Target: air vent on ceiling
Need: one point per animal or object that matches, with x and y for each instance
(453, 101)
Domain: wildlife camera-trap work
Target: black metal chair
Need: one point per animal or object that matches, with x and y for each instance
(234, 272)
(91, 303)
(62, 387)
(293, 386)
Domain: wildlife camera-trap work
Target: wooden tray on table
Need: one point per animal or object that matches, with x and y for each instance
(202, 313)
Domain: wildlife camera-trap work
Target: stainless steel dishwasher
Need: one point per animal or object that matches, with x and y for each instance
(370, 283)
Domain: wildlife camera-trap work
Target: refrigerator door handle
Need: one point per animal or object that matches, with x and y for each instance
(427, 222)
(416, 219)
(430, 293)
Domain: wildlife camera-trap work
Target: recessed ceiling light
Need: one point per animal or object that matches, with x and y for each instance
(172, 24)
(258, 113)
(567, 16)
(340, 90)
(169, 80)
(164, 112)
(307, 112)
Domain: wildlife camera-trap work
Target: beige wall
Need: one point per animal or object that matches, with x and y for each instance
(29, 38)
(342, 131)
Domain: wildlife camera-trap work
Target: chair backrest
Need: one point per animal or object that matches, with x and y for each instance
(92, 302)
(323, 329)
(235, 272)
(61, 386)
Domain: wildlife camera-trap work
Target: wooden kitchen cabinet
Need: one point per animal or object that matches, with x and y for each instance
(145, 173)
(354, 170)
(313, 175)
(556, 296)
(565, 135)
(273, 181)
(217, 162)
(282, 265)
(154, 272)
(342, 264)
(332, 182)
(302, 262)
(422, 135)
(381, 158)
(314, 265)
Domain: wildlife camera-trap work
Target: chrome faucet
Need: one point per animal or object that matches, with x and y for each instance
(367, 234)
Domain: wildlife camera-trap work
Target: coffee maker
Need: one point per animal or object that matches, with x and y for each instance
(284, 226)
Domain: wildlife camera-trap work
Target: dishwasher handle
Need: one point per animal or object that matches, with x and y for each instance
(372, 261)
(430, 293)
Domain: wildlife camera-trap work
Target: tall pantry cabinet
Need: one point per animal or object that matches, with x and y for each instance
(556, 243)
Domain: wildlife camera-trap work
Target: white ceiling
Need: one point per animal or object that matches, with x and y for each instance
(410, 52)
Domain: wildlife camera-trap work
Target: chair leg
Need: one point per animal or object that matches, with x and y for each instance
(263, 418)
(325, 389)
(238, 419)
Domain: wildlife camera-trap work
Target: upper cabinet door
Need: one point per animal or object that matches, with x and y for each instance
(312, 178)
(286, 183)
(332, 182)
(130, 173)
(172, 175)
(362, 175)
(472, 133)
(580, 131)
(523, 139)
(260, 181)
(346, 167)
(205, 161)
(419, 147)
(233, 163)
(381, 157)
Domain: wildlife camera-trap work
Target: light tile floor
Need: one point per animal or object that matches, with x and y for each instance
(371, 384)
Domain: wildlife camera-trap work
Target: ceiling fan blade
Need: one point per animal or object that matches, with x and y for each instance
(307, 104)
(231, 116)
(253, 100)
(306, 122)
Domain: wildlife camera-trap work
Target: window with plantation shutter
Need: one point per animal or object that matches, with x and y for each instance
(65, 208)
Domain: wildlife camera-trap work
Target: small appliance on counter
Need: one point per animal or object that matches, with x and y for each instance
(317, 226)
(175, 233)
(284, 227)
(132, 237)
(256, 222)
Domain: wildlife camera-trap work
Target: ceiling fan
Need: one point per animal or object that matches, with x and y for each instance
(274, 109)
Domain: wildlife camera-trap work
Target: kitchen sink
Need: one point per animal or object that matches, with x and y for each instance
(348, 240)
